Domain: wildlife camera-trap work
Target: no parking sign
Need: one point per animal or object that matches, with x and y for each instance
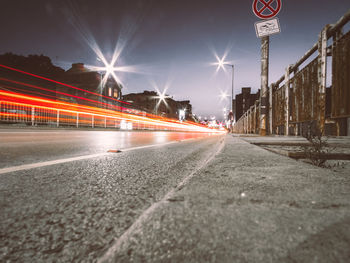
(266, 9)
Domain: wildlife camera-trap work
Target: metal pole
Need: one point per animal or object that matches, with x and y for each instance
(322, 75)
(286, 99)
(271, 108)
(33, 116)
(101, 89)
(234, 117)
(264, 82)
(58, 118)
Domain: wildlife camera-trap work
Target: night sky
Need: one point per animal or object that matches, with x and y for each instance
(167, 43)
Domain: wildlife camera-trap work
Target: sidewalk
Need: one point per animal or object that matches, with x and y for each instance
(249, 205)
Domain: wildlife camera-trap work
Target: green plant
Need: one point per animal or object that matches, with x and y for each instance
(318, 145)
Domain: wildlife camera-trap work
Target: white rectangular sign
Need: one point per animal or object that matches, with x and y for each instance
(267, 27)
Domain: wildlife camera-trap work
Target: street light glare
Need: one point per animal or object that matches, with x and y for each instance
(223, 95)
(161, 97)
(220, 63)
(109, 69)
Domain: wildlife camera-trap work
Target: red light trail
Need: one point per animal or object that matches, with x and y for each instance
(63, 84)
(16, 106)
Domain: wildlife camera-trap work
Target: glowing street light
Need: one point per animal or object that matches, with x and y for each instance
(161, 98)
(109, 70)
(221, 63)
(223, 95)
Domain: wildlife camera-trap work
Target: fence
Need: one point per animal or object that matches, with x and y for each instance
(32, 111)
(30, 99)
(300, 97)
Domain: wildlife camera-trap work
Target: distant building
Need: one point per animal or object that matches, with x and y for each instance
(185, 105)
(89, 82)
(244, 101)
(86, 81)
(148, 101)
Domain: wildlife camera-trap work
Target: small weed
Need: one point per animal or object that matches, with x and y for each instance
(318, 145)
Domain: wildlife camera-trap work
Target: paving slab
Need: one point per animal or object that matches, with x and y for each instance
(247, 205)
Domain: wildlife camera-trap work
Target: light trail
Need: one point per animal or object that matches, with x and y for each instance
(60, 83)
(70, 95)
(17, 106)
(15, 100)
(57, 92)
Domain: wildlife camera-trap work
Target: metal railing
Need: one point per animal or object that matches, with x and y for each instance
(30, 99)
(37, 111)
(300, 96)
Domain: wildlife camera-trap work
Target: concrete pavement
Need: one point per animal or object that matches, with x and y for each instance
(247, 205)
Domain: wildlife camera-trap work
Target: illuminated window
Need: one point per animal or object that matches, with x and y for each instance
(115, 93)
(110, 92)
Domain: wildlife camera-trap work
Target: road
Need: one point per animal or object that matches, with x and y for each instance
(32, 146)
(65, 197)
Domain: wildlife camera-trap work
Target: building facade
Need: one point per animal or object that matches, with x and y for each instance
(89, 84)
(244, 101)
(149, 101)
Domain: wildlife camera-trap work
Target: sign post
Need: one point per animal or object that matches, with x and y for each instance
(265, 43)
(265, 9)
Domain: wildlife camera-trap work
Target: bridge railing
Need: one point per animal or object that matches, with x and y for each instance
(301, 95)
(34, 111)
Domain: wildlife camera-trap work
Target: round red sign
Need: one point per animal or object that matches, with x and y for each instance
(265, 9)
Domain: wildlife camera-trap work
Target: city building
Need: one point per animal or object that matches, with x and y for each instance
(83, 86)
(149, 101)
(40, 67)
(89, 82)
(244, 101)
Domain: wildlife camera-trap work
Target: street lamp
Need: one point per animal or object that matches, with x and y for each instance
(161, 98)
(101, 86)
(223, 95)
(221, 63)
(108, 69)
(232, 66)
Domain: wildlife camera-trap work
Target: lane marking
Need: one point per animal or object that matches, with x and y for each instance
(72, 159)
(146, 146)
(137, 225)
(42, 164)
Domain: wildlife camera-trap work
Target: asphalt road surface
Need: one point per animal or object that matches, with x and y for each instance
(31, 146)
(65, 198)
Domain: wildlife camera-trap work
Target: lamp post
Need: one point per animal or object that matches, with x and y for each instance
(224, 112)
(220, 64)
(232, 93)
(101, 88)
